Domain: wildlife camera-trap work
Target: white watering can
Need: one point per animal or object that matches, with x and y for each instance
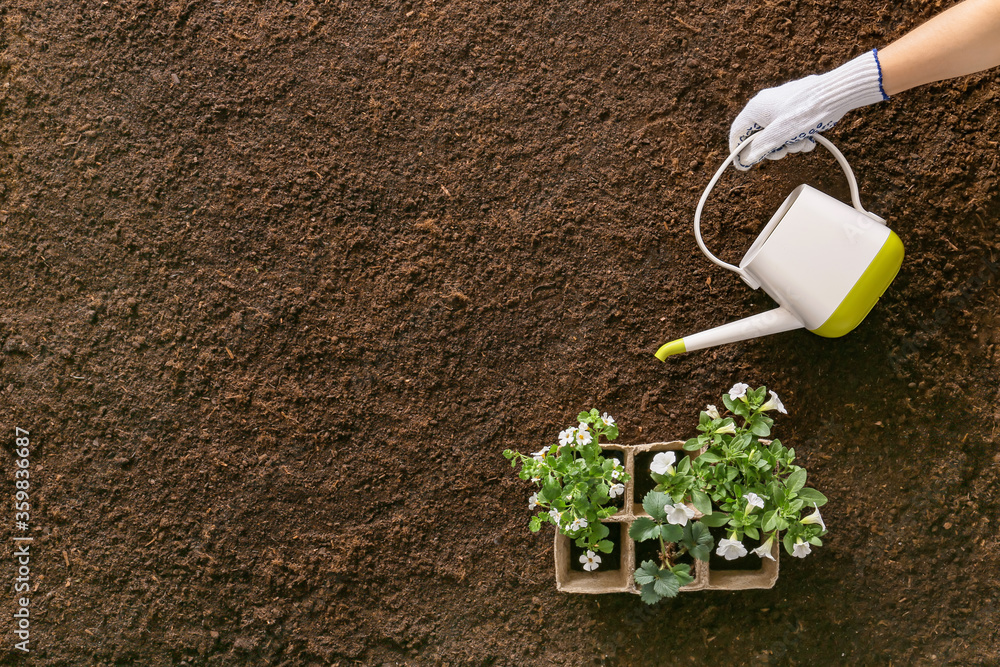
(824, 262)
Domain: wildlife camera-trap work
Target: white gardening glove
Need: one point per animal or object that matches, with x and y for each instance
(782, 120)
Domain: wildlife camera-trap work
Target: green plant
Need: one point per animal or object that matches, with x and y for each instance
(671, 524)
(751, 488)
(575, 483)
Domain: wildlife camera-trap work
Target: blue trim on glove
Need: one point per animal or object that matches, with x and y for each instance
(879, 65)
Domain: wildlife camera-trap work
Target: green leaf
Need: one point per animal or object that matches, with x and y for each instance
(759, 427)
(767, 525)
(599, 494)
(789, 543)
(684, 465)
(752, 532)
(709, 457)
(701, 541)
(667, 585)
(740, 441)
(701, 502)
(715, 519)
(605, 546)
(643, 529)
(550, 491)
(646, 573)
(796, 480)
(654, 502)
(683, 578)
(671, 532)
(739, 408)
(815, 541)
(536, 524)
(648, 595)
(701, 535)
(812, 496)
(692, 444)
(729, 403)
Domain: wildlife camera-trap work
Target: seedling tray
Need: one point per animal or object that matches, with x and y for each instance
(622, 580)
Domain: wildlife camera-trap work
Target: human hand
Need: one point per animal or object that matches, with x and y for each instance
(783, 120)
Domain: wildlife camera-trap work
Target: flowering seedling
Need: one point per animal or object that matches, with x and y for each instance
(670, 523)
(755, 488)
(751, 488)
(576, 484)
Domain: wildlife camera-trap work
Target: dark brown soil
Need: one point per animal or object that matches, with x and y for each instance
(282, 280)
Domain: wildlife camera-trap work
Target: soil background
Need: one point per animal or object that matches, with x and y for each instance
(281, 280)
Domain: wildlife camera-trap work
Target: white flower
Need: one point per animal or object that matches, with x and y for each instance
(582, 426)
(739, 390)
(616, 490)
(729, 428)
(536, 479)
(815, 518)
(590, 561)
(532, 501)
(540, 454)
(713, 412)
(583, 437)
(555, 516)
(679, 514)
(578, 524)
(608, 419)
(753, 500)
(663, 463)
(566, 437)
(731, 549)
(774, 403)
(615, 473)
(801, 549)
(764, 550)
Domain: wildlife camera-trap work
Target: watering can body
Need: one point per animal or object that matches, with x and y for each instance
(824, 262)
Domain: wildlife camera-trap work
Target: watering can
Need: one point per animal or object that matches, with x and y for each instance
(825, 263)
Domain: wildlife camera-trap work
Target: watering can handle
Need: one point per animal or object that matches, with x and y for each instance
(841, 160)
